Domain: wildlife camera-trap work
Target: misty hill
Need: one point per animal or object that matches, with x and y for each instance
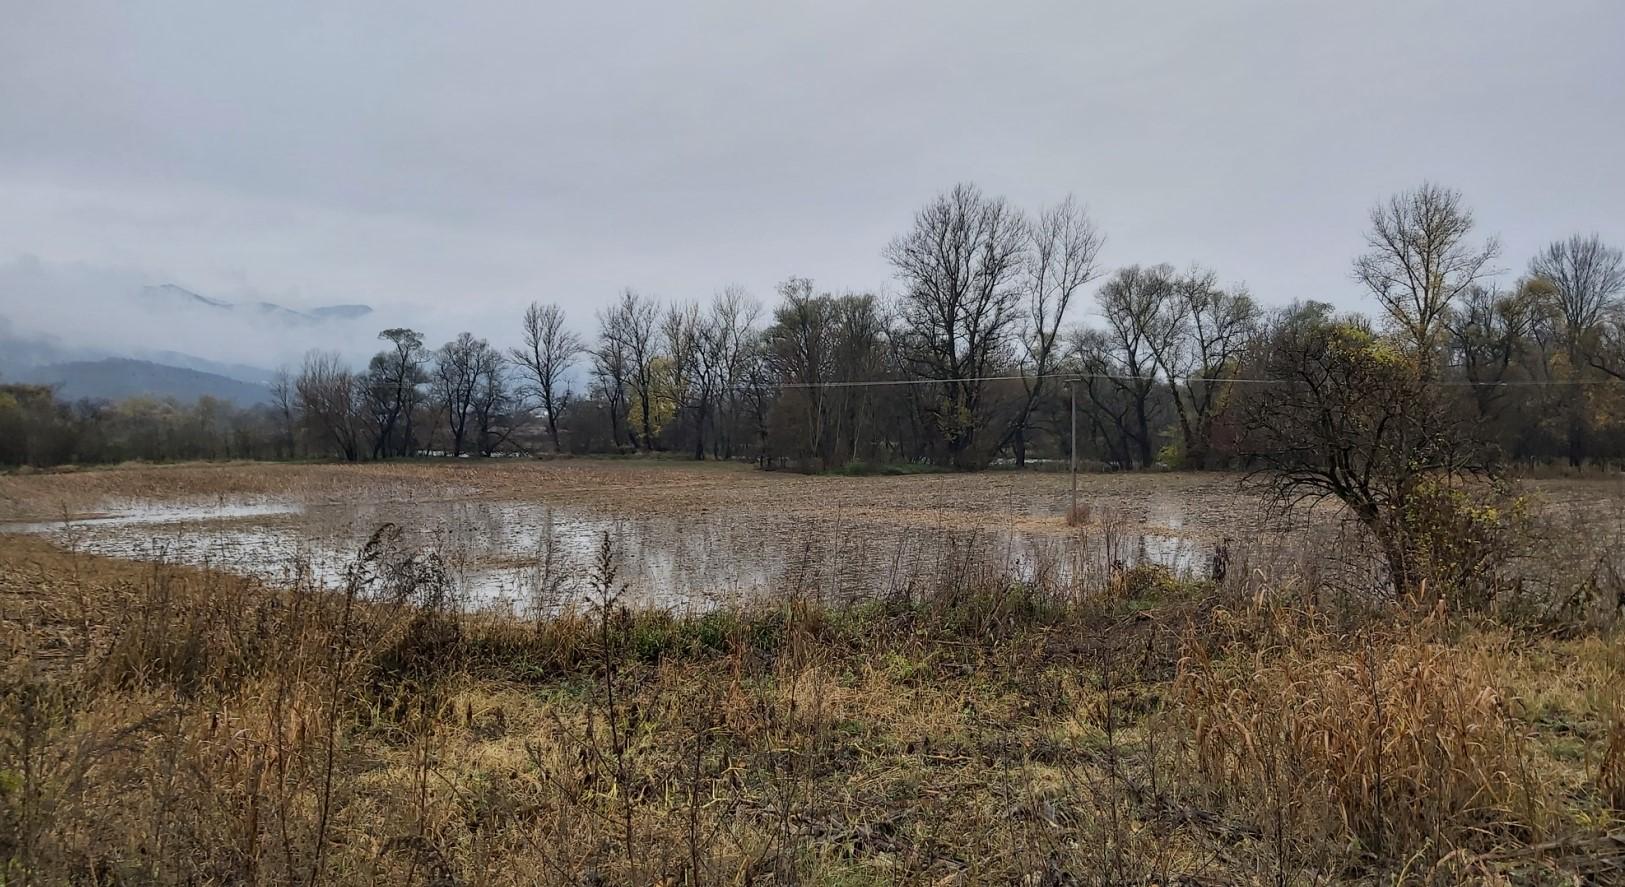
(115, 378)
(170, 297)
(241, 372)
(27, 359)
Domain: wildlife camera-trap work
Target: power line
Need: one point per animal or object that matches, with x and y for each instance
(1444, 383)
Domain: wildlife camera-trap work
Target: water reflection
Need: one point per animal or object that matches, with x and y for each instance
(533, 555)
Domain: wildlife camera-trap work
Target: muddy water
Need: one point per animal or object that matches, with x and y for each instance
(529, 555)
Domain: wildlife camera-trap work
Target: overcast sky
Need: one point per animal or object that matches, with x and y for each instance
(448, 162)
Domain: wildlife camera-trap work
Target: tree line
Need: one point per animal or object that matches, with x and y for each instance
(972, 361)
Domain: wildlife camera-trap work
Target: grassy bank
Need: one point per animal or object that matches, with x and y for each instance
(163, 724)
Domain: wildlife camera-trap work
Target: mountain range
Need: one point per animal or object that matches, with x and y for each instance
(109, 373)
(117, 378)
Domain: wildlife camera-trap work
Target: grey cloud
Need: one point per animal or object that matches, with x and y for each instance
(449, 162)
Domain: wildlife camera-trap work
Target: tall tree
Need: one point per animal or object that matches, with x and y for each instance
(326, 391)
(493, 407)
(735, 314)
(818, 346)
(1588, 277)
(694, 361)
(610, 368)
(859, 332)
(462, 384)
(961, 267)
(801, 353)
(1420, 261)
(285, 402)
(1198, 343)
(1061, 259)
(629, 331)
(1487, 331)
(1121, 360)
(391, 387)
(544, 362)
(758, 391)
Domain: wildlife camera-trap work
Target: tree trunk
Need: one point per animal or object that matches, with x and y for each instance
(1185, 429)
(1576, 436)
(1393, 547)
(1144, 425)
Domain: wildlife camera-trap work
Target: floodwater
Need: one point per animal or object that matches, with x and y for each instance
(530, 555)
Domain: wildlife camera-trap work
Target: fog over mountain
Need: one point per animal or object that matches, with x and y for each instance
(52, 314)
(116, 378)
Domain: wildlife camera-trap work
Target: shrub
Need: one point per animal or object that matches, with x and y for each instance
(1145, 581)
(1461, 538)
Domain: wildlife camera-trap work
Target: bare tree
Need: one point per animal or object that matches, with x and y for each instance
(859, 332)
(1111, 405)
(326, 392)
(1421, 261)
(735, 314)
(609, 375)
(1608, 353)
(462, 383)
(1588, 278)
(391, 388)
(1061, 259)
(961, 266)
(1121, 358)
(817, 346)
(1198, 343)
(285, 402)
(629, 332)
(800, 352)
(758, 390)
(1487, 332)
(496, 416)
(544, 361)
(691, 366)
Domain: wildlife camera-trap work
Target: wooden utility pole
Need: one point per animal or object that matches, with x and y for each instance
(1072, 388)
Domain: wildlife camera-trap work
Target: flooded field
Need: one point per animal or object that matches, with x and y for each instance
(524, 534)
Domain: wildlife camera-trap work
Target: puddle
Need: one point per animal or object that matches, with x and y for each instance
(138, 514)
(508, 554)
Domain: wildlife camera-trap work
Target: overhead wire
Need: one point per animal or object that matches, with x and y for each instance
(1123, 377)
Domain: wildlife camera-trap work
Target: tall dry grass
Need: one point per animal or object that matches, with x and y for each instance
(1113, 724)
(1397, 746)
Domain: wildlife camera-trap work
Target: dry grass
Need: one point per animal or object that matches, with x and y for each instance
(1397, 748)
(163, 724)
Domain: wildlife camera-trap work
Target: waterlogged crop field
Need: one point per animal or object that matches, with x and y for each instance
(681, 531)
(525, 533)
(980, 731)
